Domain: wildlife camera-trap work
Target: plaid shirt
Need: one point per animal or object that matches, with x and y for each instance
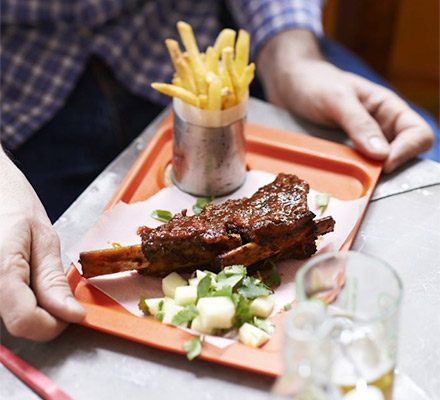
(46, 44)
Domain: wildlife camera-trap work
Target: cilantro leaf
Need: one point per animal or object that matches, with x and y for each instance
(162, 215)
(242, 310)
(322, 200)
(234, 270)
(193, 348)
(231, 275)
(200, 203)
(222, 291)
(229, 281)
(264, 324)
(204, 287)
(160, 312)
(287, 306)
(143, 306)
(273, 279)
(185, 315)
(252, 288)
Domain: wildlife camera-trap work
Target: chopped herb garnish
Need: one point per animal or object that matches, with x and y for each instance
(231, 276)
(204, 287)
(273, 279)
(233, 270)
(162, 215)
(185, 315)
(200, 203)
(193, 348)
(287, 306)
(225, 291)
(264, 325)
(322, 200)
(251, 288)
(143, 306)
(230, 281)
(242, 310)
(160, 312)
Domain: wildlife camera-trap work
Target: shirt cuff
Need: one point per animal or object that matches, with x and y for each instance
(265, 18)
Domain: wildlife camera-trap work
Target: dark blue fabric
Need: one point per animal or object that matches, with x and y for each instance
(98, 121)
(346, 60)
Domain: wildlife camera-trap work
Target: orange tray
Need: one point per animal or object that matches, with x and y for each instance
(328, 167)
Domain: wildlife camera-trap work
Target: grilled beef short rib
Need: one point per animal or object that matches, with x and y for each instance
(274, 222)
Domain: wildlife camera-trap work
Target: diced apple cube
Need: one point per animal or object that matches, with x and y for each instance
(170, 282)
(197, 325)
(216, 312)
(193, 282)
(262, 306)
(200, 274)
(252, 336)
(170, 309)
(185, 295)
(153, 304)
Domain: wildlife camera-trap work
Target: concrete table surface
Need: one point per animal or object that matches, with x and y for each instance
(402, 226)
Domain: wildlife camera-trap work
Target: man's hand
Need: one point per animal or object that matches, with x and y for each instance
(35, 299)
(379, 123)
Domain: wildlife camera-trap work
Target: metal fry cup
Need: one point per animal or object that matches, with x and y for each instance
(209, 149)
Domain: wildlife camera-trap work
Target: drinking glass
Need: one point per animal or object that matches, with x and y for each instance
(352, 303)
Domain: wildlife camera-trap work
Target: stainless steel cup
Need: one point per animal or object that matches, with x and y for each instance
(208, 161)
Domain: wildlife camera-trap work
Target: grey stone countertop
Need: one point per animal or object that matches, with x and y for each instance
(401, 226)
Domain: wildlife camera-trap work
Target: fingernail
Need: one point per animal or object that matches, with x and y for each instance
(74, 306)
(378, 144)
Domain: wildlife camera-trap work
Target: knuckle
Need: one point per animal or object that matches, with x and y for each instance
(52, 278)
(21, 325)
(428, 137)
(364, 124)
(48, 236)
(13, 264)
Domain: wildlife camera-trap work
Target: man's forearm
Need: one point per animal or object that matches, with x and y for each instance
(286, 49)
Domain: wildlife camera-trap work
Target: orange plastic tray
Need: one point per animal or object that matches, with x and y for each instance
(328, 167)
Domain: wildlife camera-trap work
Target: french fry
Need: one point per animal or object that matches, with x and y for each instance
(189, 41)
(225, 38)
(229, 101)
(242, 51)
(176, 91)
(228, 64)
(203, 101)
(211, 60)
(246, 78)
(174, 51)
(177, 81)
(226, 82)
(186, 75)
(187, 35)
(214, 93)
(200, 79)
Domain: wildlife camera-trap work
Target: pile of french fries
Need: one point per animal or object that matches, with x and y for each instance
(215, 80)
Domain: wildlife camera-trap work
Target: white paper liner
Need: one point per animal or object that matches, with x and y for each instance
(208, 118)
(121, 222)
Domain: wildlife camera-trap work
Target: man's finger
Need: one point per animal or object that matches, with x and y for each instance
(48, 279)
(21, 314)
(407, 144)
(360, 126)
(408, 132)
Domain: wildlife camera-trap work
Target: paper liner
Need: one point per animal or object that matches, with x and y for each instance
(207, 118)
(120, 223)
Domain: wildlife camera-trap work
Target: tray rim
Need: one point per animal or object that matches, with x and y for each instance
(97, 313)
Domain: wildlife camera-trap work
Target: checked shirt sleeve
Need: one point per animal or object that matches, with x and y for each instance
(264, 18)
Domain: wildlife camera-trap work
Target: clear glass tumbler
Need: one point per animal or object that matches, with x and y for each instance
(363, 294)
